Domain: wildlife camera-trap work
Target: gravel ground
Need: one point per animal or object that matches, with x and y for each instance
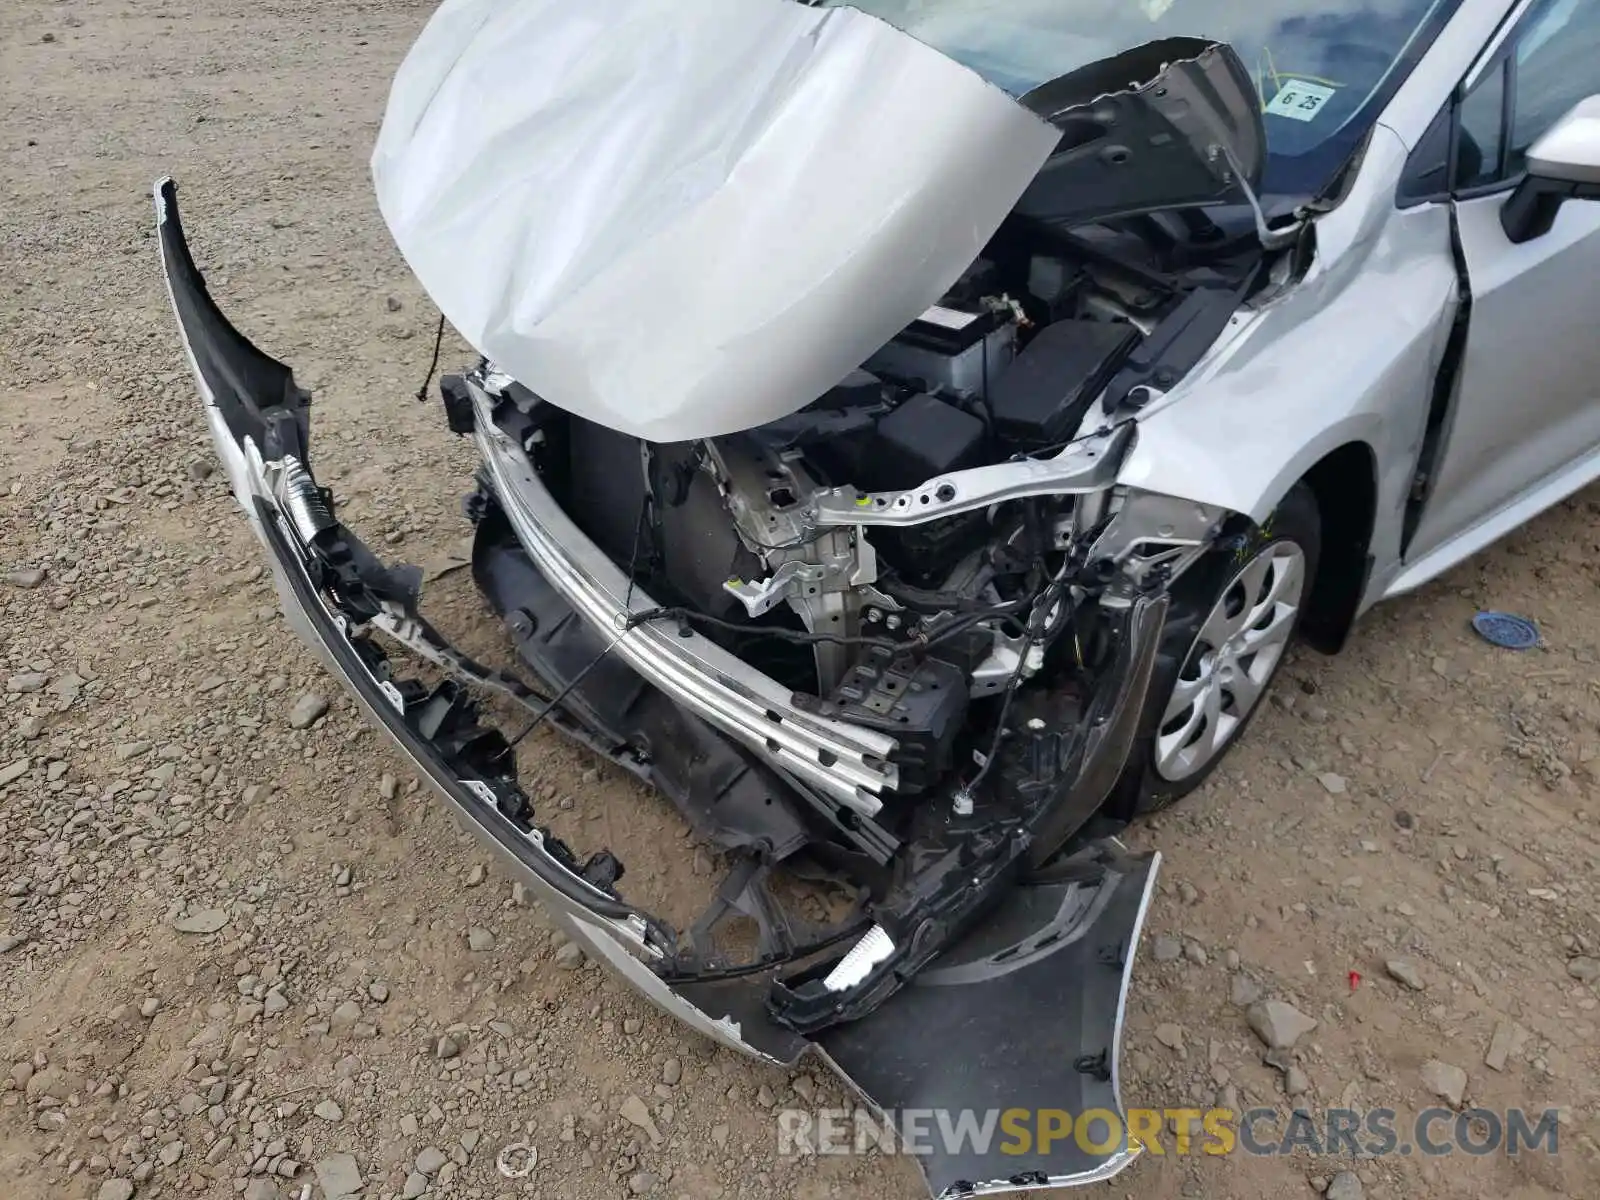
(241, 953)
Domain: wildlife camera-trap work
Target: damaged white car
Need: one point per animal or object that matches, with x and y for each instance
(911, 434)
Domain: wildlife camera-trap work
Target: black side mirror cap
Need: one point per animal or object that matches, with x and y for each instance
(1531, 209)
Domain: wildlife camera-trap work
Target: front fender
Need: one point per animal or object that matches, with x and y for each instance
(1347, 355)
(1240, 467)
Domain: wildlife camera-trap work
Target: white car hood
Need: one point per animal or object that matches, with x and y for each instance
(683, 219)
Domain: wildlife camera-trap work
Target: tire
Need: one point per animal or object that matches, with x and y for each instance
(1177, 748)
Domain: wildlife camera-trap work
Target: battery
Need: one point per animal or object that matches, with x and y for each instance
(950, 348)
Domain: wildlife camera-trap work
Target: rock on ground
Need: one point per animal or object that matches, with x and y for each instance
(430, 1160)
(634, 1112)
(338, 1175)
(1507, 1039)
(1403, 970)
(25, 577)
(1444, 1080)
(204, 920)
(303, 713)
(1278, 1024)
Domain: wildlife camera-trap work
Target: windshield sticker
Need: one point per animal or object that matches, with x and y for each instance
(1299, 100)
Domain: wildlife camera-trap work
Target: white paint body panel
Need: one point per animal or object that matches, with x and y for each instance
(685, 219)
(1528, 401)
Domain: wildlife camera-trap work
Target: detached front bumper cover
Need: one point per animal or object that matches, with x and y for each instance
(254, 409)
(1023, 1012)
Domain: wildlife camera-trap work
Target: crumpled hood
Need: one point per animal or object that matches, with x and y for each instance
(684, 219)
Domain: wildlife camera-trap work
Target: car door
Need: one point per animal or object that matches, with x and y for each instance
(1526, 412)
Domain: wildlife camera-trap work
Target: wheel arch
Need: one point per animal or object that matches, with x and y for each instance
(1246, 467)
(1345, 484)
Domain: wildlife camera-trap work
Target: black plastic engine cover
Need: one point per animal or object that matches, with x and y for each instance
(921, 438)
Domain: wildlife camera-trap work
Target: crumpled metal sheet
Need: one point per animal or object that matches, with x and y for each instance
(683, 219)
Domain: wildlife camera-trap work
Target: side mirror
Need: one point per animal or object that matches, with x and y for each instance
(1564, 164)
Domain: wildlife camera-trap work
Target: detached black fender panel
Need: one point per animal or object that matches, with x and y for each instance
(1024, 1013)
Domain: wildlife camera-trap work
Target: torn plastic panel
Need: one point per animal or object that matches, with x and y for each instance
(1025, 1012)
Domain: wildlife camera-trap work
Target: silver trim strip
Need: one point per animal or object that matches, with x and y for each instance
(1480, 65)
(1134, 936)
(1088, 465)
(849, 764)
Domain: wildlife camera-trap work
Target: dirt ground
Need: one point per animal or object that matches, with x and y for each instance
(371, 986)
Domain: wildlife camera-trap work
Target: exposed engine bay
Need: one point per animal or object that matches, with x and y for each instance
(887, 646)
(989, 646)
(903, 627)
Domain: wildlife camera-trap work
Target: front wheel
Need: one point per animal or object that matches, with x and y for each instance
(1228, 630)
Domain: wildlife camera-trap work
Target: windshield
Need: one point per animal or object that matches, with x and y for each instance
(1323, 68)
